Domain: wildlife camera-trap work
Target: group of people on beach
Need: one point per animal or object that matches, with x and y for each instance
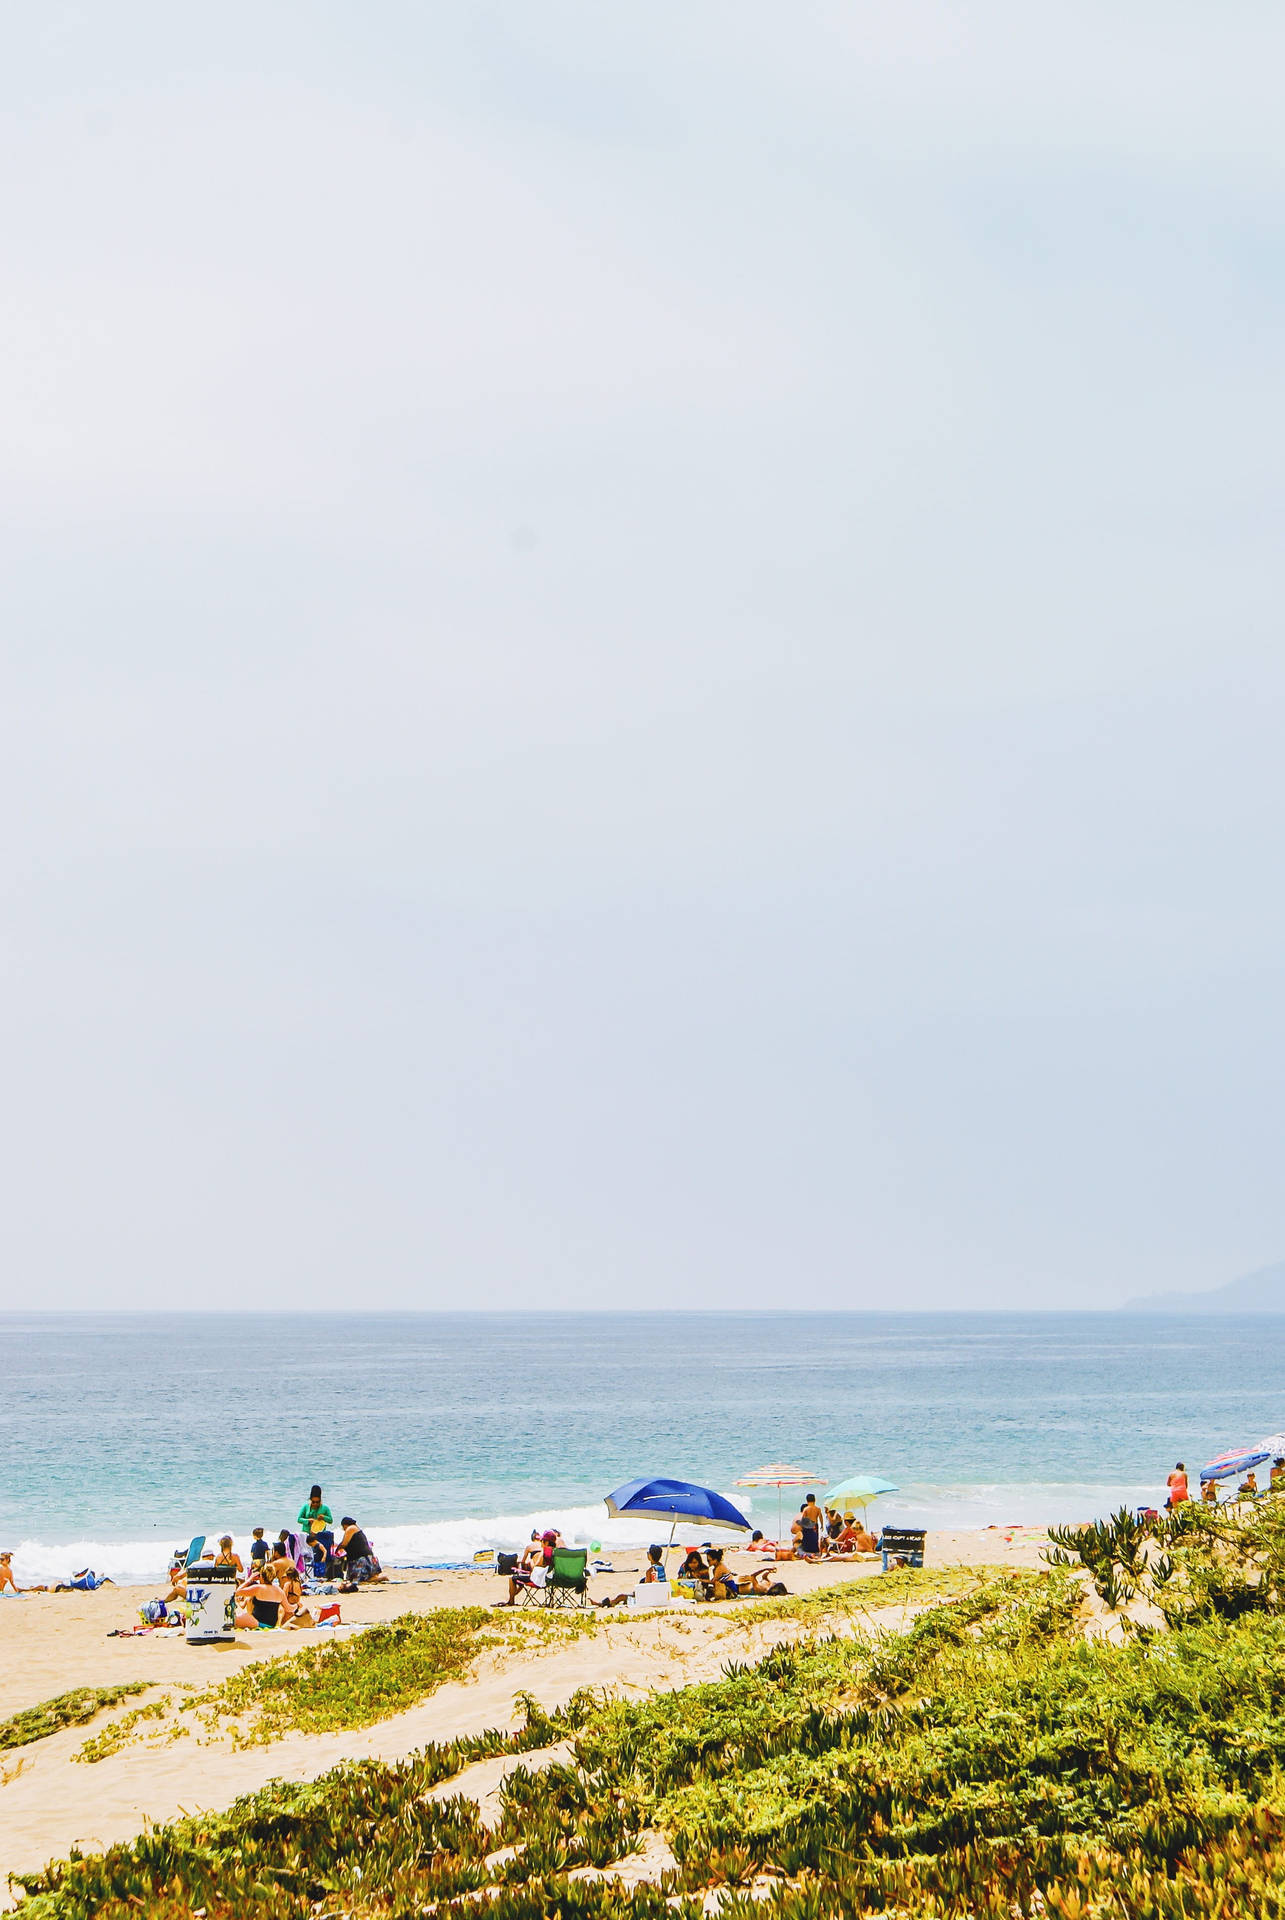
(1179, 1494)
(819, 1531)
(816, 1534)
(272, 1591)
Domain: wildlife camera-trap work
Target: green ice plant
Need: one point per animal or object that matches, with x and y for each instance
(988, 1761)
(64, 1710)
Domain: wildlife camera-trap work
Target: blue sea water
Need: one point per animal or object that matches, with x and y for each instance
(120, 1435)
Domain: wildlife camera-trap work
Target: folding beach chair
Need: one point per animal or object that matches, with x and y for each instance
(530, 1593)
(568, 1583)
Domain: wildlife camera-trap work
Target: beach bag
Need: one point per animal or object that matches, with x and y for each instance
(153, 1612)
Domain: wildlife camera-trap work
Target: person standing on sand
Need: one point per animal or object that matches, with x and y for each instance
(1209, 1493)
(312, 1511)
(810, 1529)
(1177, 1485)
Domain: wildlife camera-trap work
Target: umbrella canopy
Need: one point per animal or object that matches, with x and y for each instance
(1228, 1465)
(674, 1500)
(858, 1492)
(778, 1475)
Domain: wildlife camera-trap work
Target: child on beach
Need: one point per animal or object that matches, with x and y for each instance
(226, 1557)
(259, 1548)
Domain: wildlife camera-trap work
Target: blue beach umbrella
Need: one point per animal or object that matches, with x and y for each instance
(1228, 1464)
(655, 1498)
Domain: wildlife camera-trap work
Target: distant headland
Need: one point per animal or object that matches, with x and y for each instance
(1261, 1292)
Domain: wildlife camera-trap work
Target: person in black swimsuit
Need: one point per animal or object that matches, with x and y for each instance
(268, 1604)
(360, 1564)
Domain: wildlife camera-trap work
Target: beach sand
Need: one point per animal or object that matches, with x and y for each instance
(53, 1642)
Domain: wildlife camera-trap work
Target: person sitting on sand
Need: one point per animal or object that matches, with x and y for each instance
(653, 1572)
(724, 1585)
(693, 1567)
(1209, 1493)
(7, 1580)
(361, 1568)
(1248, 1488)
(1177, 1485)
(279, 1563)
(534, 1566)
(261, 1602)
(298, 1615)
(655, 1567)
(227, 1558)
(866, 1542)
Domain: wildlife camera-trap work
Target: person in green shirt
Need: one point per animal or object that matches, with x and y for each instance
(314, 1536)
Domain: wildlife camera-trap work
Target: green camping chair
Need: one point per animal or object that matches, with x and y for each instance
(568, 1584)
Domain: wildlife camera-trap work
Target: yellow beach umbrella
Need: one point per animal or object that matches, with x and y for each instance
(778, 1475)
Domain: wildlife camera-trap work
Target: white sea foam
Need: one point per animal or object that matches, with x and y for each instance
(454, 1542)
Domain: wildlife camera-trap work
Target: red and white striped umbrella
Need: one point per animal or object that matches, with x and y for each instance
(778, 1475)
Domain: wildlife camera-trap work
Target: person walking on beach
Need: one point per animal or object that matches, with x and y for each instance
(1177, 1485)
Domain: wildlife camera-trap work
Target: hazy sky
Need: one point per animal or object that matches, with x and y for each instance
(642, 652)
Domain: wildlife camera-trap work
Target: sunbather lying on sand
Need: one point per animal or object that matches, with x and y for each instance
(725, 1585)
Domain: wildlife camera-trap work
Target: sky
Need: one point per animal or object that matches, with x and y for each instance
(641, 653)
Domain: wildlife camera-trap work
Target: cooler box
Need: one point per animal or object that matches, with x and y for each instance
(211, 1603)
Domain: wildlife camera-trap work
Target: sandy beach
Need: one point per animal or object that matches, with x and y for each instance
(50, 1803)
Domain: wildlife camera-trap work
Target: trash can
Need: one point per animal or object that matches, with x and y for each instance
(211, 1604)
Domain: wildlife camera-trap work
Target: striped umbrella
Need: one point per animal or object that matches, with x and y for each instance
(1241, 1459)
(778, 1475)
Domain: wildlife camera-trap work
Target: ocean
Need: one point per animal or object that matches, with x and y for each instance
(123, 1434)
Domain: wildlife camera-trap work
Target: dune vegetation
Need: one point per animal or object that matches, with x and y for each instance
(64, 1710)
(994, 1758)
